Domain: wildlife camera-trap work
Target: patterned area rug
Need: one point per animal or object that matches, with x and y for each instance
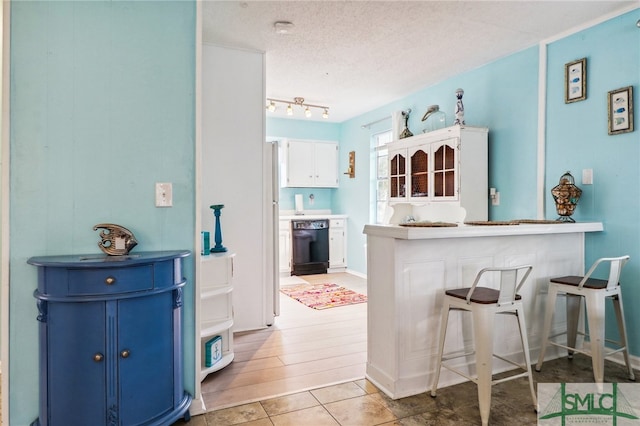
(323, 296)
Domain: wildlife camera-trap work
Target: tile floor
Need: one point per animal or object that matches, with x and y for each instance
(359, 403)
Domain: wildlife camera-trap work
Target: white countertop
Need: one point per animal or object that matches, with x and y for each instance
(312, 216)
(467, 231)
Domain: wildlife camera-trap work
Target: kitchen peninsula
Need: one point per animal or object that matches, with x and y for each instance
(408, 270)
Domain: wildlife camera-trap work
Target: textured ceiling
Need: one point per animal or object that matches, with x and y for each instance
(355, 56)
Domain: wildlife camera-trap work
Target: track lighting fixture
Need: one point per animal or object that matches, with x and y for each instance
(271, 106)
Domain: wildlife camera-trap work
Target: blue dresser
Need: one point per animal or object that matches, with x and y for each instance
(110, 331)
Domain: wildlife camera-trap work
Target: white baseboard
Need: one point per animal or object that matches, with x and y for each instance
(356, 273)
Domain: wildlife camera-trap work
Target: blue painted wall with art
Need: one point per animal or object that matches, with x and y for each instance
(278, 129)
(577, 139)
(102, 107)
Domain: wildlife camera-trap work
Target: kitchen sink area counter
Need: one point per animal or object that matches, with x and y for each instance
(309, 240)
(410, 267)
(312, 216)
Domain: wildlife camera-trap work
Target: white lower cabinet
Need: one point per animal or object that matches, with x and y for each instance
(337, 244)
(285, 246)
(216, 312)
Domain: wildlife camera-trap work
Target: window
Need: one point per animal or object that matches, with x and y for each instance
(381, 167)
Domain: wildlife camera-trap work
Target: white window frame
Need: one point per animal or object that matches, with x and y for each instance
(379, 180)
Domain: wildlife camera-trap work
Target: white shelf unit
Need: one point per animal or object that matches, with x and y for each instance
(216, 308)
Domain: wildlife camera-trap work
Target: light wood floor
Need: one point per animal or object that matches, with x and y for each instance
(304, 349)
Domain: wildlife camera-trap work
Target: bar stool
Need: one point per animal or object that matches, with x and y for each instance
(594, 292)
(484, 303)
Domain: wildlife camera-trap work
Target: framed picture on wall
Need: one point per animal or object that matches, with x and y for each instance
(620, 109)
(575, 81)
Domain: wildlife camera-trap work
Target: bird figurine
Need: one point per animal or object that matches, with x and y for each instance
(116, 240)
(459, 113)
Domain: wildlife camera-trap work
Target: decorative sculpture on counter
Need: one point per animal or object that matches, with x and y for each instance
(406, 132)
(566, 195)
(435, 119)
(459, 108)
(218, 248)
(116, 240)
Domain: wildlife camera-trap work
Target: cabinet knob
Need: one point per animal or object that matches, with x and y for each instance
(109, 280)
(98, 357)
(125, 353)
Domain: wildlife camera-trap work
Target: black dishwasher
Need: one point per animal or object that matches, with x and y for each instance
(310, 246)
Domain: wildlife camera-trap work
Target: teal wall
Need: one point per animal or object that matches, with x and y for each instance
(280, 128)
(102, 107)
(495, 96)
(577, 139)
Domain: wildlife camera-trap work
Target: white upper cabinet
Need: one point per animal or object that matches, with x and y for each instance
(309, 164)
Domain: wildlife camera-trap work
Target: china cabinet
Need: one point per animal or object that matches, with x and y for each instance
(110, 339)
(448, 165)
(309, 164)
(216, 311)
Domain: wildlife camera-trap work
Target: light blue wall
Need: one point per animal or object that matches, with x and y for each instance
(102, 107)
(577, 139)
(280, 128)
(495, 96)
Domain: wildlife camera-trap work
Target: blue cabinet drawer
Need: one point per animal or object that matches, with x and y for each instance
(109, 281)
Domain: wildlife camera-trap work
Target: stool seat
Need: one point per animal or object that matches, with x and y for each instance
(576, 280)
(482, 295)
(593, 293)
(484, 303)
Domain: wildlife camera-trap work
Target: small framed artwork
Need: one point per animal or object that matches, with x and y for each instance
(620, 103)
(575, 81)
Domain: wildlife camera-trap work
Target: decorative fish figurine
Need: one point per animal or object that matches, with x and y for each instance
(116, 240)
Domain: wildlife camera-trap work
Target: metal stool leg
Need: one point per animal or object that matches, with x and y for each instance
(574, 303)
(483, 323)
(595, 317)
(617, 306)
(527, 357)
(443, 334)
(548, 317)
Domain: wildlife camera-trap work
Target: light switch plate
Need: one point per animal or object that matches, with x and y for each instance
(587, 176)
(164, 194)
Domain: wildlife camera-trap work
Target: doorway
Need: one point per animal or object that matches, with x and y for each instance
(304, 349)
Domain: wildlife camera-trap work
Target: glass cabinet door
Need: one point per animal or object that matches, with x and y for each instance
(397, 175)
(419, 174)
(444, 171)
